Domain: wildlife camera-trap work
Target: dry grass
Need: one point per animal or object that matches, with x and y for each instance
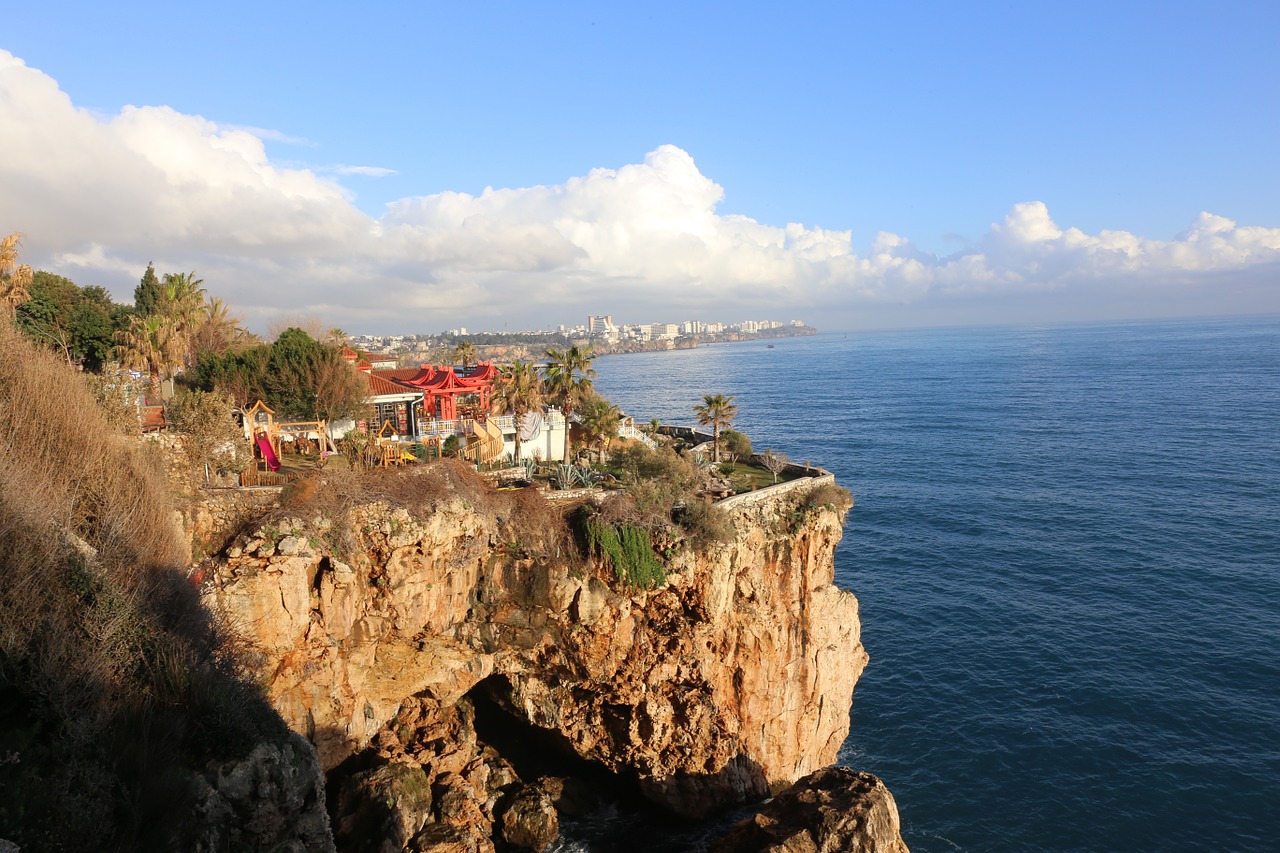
(113, 679)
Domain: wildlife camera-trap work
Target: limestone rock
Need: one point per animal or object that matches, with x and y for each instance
(729, 683)
(530, 821)
(381, 807)
(834, 810)
(273, 800)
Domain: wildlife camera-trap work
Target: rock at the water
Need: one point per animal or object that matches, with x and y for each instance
(833, 810)
(530, 820)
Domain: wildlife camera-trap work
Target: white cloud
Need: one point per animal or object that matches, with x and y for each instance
(364, 171)
(271, 135)
(102, 196)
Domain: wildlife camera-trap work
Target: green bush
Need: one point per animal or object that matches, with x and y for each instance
(735, 444)
(629, 550)
(705, 524)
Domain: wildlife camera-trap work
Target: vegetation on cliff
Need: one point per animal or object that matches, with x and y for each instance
(115, 683)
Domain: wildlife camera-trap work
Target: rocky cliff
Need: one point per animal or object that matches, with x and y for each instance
(410, 635)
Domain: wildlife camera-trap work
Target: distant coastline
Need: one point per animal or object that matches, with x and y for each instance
(695, 341)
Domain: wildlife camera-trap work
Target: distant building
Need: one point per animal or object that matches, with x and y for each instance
(666, 331)
(601, 326)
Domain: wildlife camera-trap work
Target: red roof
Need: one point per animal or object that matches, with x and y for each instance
(381, 385)
(444, 379)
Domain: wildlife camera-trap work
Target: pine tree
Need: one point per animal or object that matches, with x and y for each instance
(148, 296)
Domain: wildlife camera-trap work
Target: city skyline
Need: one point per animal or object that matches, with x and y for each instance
(870, 166)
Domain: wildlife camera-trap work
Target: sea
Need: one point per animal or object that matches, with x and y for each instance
(1066, 546)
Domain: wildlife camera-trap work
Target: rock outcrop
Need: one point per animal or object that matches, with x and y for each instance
(273, 799)
(380, 632)
(833, 810)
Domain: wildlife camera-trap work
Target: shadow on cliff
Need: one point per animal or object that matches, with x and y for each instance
(117, 687)
(615, 811)
(409, 784)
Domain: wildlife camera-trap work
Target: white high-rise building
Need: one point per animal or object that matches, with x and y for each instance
(601, 326)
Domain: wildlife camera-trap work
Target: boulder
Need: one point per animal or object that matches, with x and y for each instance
(833, 810)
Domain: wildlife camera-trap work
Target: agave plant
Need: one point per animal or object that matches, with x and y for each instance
(565, 475)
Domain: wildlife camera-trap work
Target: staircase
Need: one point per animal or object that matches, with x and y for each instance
(484, 442)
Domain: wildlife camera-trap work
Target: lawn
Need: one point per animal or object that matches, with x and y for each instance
(745, 477)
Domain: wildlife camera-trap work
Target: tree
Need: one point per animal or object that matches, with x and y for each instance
(341, 391)
(15, 278)
(178, 298)
(150, 345)
(148, 294)
(313, 326)
(736, 444)
(569, 377)
(213, 438)
(774, 463)
(217, 331)
(77, 322)
(290, 373)
(465, 353)
(240, 375)
(599, 419)
(296, 375)
(519, 391)
(718, 413)
(182, 302)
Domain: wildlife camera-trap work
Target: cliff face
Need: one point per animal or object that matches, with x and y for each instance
(730, 682)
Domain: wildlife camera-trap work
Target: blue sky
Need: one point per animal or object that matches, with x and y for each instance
(854, 165)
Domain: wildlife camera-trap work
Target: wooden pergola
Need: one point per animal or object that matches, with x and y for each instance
(442, 386)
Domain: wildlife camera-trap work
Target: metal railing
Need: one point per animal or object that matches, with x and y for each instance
(630, 430)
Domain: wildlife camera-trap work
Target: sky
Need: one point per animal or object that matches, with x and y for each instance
(406, 168)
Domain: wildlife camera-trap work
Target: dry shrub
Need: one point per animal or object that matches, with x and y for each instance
(829, 495)
(533, 525)
(211, 435)
(657, 481)
(114, 681)
(116, 393)
(62, 456)
(826, 496)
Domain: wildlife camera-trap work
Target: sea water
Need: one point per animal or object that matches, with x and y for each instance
(1066, 545)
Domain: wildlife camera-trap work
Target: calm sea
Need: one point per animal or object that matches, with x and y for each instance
(1066, 543)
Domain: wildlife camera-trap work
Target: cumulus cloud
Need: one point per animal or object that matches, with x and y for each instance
(98, 197)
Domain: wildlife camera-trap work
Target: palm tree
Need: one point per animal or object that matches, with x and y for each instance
(465, 353)
(718, 412)
(15, 279)
(182, 299)
(600, 420)
(569, 377)
(182, 304)
(519, 391)
(216, 330)
(152, 345)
